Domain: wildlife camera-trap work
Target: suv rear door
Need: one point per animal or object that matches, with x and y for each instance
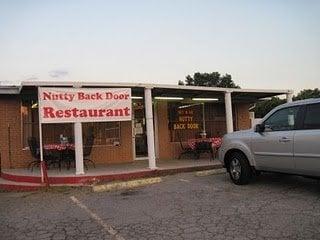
(273, 148)
(307, 142)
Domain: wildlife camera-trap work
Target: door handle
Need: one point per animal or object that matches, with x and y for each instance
(284, 139)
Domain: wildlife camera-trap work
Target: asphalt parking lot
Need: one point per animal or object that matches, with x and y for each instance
(182, 206)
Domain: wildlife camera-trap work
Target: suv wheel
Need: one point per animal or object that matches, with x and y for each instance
(239, 169)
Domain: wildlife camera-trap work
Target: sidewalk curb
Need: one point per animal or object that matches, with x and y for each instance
(126, 185)
(210, 172)
(27, 183)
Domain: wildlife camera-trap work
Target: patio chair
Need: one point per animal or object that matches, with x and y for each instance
(185, 149)
(35, 152)
(70, 157)
(87, 148)
(204, 147)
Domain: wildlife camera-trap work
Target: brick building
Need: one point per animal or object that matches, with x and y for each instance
(163, 116)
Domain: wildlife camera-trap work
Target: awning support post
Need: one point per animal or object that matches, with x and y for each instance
(150, 128)
(228, 106)
(40, 141)
(289, 96)
(78, 148)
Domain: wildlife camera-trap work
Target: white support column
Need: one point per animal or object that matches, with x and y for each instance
(150, 129)
(78, 148)
(289, 96)
(228, 106)
(156, 130)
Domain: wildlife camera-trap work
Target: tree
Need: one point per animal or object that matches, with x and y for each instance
(213, 79)
(307, 93)
(262, 108)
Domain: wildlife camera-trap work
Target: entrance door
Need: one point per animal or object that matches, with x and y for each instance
(273, 148)
(139, 131)
(307, 144)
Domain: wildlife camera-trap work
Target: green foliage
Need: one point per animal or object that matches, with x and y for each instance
(307, 93)
(262, 108)
(180, 82)
(213, 79)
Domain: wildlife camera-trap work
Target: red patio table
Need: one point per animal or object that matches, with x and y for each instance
(61, 148)
(215, 142)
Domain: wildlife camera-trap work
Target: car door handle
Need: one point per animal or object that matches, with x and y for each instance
(284, 139)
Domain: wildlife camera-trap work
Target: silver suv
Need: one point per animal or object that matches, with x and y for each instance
(286, 140)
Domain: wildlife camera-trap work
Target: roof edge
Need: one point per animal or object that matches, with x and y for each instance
(146, 85)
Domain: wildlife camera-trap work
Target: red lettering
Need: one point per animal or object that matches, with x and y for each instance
(109, 113)
(74, 112)
(81, 96)
(67, 113)
(59, 113)
(93, 112)
(126, 111)
(46, 96)
(99, 96)
(101, 111)
(83, 113)
(118, 112)
(48, 112)
(109, 95)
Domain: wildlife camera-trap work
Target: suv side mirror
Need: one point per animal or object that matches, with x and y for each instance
(259, 128)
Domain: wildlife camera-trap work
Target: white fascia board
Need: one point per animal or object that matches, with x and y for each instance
(10, 90)
(146, 85)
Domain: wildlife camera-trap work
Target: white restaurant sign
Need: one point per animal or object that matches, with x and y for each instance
(58, 105)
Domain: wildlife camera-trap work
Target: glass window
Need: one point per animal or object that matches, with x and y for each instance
(30, 121)
(105, 133)
(185, 121)
(282, 120)
(312, 117)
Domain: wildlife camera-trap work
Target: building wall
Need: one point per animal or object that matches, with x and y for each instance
(243, 116)
(167, 149)
(171, 150)
(14, 156)
(116, 154)
(11, 150)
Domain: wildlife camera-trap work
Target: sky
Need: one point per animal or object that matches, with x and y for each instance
(266, 44)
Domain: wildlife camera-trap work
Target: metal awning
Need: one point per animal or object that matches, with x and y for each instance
(187, 92)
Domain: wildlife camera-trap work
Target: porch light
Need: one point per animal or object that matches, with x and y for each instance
(35, 105)
(205, 99)
(136, 97)
(168, 98)
(190, 105)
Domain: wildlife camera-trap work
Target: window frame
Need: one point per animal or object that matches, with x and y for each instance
(304, 116)
(24, 145)
(297, 123)
(119, 142)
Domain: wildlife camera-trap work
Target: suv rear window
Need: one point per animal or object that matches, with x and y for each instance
(312, 117)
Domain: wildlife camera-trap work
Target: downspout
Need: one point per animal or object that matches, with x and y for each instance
(9, 147)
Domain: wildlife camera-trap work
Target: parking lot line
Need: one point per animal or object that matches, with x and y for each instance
(94, 216)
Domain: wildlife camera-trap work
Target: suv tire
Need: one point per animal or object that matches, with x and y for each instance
(239, 169)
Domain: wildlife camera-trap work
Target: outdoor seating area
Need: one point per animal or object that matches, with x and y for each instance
(59, 155)
(125, 125)
(109, 172)
(197, 146)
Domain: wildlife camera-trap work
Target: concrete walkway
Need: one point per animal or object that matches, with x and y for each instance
(20, 178)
